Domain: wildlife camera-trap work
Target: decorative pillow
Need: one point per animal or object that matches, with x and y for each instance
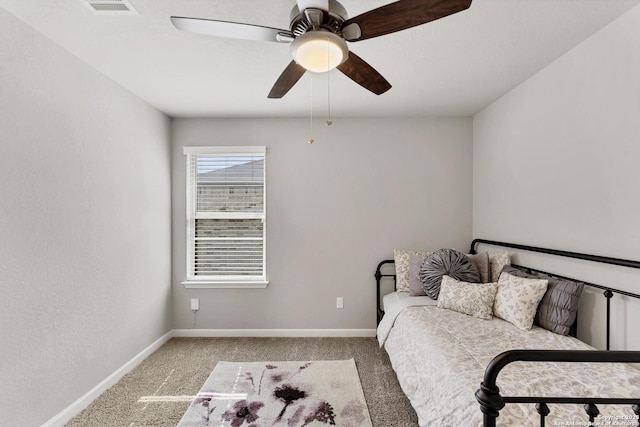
(481, 261)
(519, 272)
(415, 262)
(402, 261)
(474, 299)
(496, 262)
(446, 262)
(517, 299)
(559, 305)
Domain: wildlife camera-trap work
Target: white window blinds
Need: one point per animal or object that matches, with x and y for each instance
(226, 213)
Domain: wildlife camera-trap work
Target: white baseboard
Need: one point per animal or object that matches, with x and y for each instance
(76, 407)
(287, 333)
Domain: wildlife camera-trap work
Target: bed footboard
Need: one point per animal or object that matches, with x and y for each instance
(491, 401)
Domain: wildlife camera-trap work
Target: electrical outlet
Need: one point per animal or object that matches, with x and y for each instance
(195, 304)
(339, 302)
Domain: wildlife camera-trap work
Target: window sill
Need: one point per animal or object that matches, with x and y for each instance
(204, 284)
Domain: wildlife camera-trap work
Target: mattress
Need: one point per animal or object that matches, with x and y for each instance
(440, 357)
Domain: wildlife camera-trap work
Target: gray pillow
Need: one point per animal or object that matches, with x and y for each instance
(447, 262)
(481, 261)
(514, 271)
(415, 285)
(559, 305)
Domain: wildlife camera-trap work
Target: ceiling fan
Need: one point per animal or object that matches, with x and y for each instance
(319, 30)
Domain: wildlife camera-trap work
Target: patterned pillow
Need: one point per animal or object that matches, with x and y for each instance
(474, 299)
(559, 306)
(446, 262)
(402, 260)
(517, 299)
(496, 262)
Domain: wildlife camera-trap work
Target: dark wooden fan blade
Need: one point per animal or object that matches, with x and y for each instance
(234, 30)
(287, 79)
(399, 16)
(364, 74)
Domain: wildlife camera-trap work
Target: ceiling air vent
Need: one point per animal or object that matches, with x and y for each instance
(110, 7)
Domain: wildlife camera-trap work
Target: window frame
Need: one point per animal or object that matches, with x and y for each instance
(227, 281)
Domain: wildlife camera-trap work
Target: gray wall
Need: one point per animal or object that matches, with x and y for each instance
(84, 226)
(556, 164)
(334, 210)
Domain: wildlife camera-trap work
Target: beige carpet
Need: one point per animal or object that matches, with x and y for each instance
(158, 391)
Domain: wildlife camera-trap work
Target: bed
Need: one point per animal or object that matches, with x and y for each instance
(460, 370)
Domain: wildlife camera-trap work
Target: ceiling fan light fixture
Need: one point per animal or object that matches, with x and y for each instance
(319, 51)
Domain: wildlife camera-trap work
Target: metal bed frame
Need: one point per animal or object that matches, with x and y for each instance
(488, 395)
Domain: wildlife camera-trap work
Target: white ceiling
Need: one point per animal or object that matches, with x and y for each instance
(453, 66)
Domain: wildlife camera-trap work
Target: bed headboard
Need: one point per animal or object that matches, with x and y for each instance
(384, 267)
(566, 254)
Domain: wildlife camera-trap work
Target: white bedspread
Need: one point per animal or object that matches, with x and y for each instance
(394, 307)
(440, 357)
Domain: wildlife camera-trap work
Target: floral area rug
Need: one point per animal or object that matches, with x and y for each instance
(291, 394)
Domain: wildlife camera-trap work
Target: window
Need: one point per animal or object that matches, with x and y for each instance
(225, 216)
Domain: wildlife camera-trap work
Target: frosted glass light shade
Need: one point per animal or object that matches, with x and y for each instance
(319, 51)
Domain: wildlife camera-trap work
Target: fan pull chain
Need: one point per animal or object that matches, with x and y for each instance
(311, 110)
(329, 122)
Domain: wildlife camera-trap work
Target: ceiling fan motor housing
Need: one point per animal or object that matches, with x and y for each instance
(316, 19)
